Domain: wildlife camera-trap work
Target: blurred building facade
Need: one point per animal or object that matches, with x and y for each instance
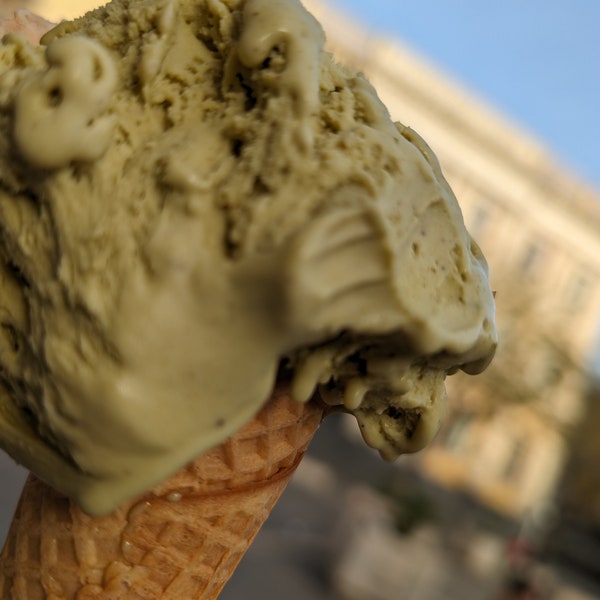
(507, 435)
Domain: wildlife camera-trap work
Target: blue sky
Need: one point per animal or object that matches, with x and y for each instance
(537, 62)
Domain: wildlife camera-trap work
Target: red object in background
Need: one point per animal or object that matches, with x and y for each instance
(520, 554)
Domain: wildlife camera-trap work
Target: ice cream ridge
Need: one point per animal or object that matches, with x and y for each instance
(194, 199)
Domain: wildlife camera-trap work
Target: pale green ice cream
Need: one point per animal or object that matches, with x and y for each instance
(193, 195)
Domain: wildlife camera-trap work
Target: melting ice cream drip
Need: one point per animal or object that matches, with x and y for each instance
(286, 26)
(60, 113)
(398, 402)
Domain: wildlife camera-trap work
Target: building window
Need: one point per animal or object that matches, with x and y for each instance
(577, 291)
(479, 221)
(531, 260)
(516, 459)
(458, 433)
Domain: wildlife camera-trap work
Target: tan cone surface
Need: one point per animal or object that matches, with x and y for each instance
(181, 541)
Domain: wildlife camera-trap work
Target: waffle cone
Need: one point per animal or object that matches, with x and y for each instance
(181, 541)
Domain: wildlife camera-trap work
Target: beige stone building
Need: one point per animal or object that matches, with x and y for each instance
(506, 437)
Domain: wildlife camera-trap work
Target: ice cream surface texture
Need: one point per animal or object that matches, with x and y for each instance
(193, 194)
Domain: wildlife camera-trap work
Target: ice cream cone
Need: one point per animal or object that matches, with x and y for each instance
(182, 540)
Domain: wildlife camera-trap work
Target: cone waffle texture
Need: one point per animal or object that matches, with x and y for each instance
(181, 541)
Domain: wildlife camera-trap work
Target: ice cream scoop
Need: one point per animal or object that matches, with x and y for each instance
(193, 195)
